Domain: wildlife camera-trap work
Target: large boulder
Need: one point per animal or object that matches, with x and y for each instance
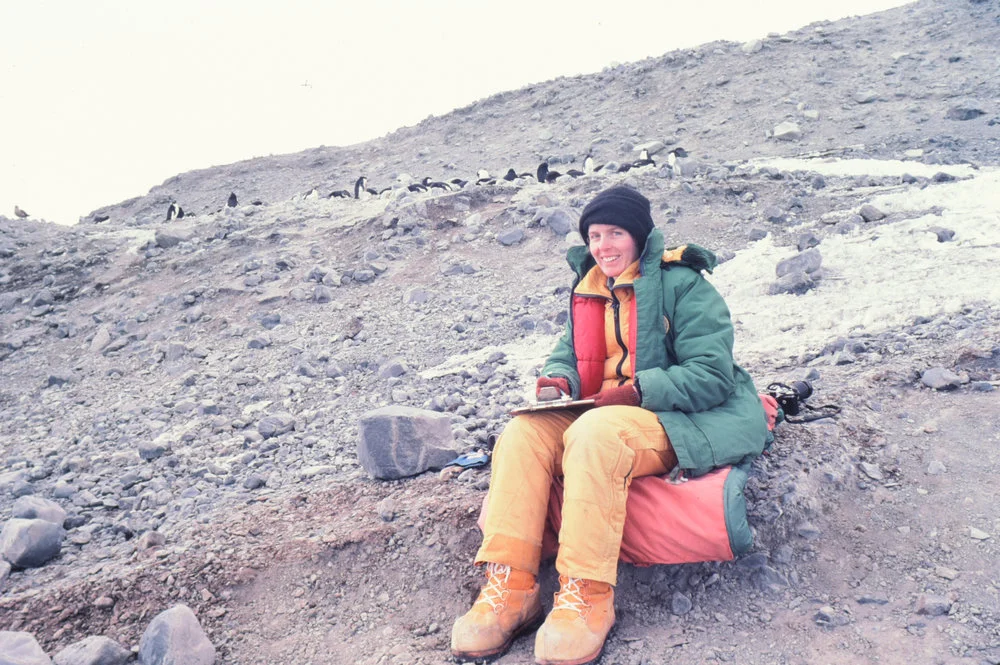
(30, 543)
(93, 650)
(35, 507)
(400, 441)
(174, 637)
(18, 648)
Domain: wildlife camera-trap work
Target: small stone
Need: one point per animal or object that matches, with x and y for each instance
(510, 237)
(943, 234)
(151, 450)
(275, 424)
(872, 600)
(825, 614)
(680, 604)
(977, 534)
(253, 482)
(930, 605)
(387, 509)
(104, 603)
(787, 131)
(806, 241)
(872, 471)
(946, 573)
(808, 531)
(936, 468)
(940, 378)
(150, 539)
(870, 213)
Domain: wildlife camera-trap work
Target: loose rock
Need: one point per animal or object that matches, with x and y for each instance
(93, 650)
(175, 637)
(17, 648)
(30, 543)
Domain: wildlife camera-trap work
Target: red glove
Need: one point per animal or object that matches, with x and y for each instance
(557, 382)
(623, 395)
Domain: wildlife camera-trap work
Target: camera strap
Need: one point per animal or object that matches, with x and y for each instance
(816, 413)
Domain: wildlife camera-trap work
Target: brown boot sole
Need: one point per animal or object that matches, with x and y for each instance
(528, 626)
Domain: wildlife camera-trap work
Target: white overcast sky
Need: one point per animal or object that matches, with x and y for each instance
(102, 99)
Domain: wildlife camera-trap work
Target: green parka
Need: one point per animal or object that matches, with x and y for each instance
(682, 354)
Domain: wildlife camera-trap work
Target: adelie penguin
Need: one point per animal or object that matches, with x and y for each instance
(483, 177)
(644, 160)
(174, 212)
(428, 183)
(361, 188)
(231, 202)
(673, 160)
(339, 194)
(545, 175)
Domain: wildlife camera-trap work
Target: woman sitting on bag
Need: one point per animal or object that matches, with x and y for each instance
(652, 342)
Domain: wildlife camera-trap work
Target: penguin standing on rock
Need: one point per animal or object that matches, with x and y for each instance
(644, 160)
(231, 202)
(20, 214)
(673, 160)
(174, 212)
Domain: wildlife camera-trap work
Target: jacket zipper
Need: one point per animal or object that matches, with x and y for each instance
(615, 307)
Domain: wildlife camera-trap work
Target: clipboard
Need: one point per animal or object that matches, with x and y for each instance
(553, 405)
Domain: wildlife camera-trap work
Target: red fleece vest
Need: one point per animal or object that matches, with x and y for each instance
(588, 341)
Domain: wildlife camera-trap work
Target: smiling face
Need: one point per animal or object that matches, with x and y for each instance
(612, 247)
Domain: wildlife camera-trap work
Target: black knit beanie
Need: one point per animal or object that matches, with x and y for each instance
(620, 206)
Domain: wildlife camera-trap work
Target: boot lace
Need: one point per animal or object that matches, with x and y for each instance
(570, 596)
(495, 592)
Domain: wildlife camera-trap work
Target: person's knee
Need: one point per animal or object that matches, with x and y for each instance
(603, 423)
(525, 434)
(596, 441)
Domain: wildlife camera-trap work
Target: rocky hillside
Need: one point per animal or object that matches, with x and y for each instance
(189, 392)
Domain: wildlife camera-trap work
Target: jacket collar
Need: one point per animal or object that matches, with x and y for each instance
(652, 257)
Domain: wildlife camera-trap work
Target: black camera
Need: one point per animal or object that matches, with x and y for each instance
(790, 397)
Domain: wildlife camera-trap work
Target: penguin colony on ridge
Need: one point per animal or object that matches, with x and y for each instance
(542, 175)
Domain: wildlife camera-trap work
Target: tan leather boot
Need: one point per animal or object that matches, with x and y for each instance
(580, 620)
(508, 606)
